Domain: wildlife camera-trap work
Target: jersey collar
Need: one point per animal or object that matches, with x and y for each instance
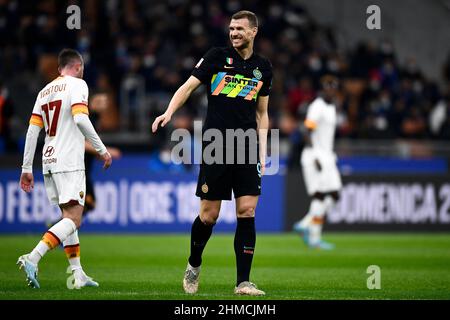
(236, 55)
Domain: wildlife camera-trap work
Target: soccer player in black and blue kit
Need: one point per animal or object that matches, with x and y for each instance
(238, 84)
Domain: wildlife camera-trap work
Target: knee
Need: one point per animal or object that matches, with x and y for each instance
(319, 196)
(335, 195)
(78, 223)
(75, 219)
(246, 212)
(209, 215)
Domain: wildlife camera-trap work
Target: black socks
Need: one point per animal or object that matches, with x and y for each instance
(244, 246)
(200, 234)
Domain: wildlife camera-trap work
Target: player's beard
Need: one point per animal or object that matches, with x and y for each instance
(245, 43)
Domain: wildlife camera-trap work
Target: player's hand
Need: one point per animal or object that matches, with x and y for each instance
(106, 157)
(163, 119)
(317, 164)
(26, 182)
(114, 152)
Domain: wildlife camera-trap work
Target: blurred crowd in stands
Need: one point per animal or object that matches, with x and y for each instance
(159, 42)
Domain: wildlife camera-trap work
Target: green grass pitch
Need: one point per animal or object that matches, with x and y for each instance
(413, 266)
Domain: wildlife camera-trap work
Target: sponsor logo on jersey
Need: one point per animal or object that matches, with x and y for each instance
(234, 86)
(49, 161)
(49, 152)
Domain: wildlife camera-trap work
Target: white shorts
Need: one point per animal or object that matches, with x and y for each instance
(64, 187)
(326, 180)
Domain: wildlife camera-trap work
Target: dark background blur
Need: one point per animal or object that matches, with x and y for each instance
(394, 98)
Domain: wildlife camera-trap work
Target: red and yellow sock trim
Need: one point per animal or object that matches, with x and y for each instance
(51, 240)
(72, 251)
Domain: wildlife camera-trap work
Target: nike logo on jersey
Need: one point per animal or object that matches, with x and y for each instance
(228, 67)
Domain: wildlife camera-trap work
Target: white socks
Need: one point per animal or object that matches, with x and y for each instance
(72, 249)
(38, 252)
(52, 238)
(315, 233)
(316, 208)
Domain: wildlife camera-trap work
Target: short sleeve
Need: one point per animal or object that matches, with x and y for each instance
(313, 115)
(267, 82)
(36, 116)
(79, 97)
(204, 69)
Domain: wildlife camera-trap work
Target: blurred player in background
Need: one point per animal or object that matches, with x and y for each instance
(98, 104)
(318, 160)
(61, 108)
(6, 114)
(238, 82)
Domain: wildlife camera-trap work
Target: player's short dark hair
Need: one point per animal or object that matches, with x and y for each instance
(329, 80)
(67, 57)
(245, 14)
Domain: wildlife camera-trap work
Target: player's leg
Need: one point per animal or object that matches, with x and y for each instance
(317, 211)
(330, 182)
(213, 186)
(244, 244)
(247, 189)
(75, 193)
(200, 233)
(311, 177)
(202, 229)
(72, 243)
(51, 239)
(72, 250)
(316, 228)
(57, 234)
(311, 225)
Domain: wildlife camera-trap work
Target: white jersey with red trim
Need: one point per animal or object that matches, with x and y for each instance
(54, 110)
(321, 119)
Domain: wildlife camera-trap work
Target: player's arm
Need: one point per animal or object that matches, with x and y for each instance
(114, 152)
(177, 101)
(80, 113)
(87, 129)
(262, 120)
(26, 178)
(310, 126)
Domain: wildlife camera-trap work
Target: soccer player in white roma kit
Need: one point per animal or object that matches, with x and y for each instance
(61, 109)
(318, 161)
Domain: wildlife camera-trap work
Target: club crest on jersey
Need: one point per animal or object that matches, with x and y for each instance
(230, 60)
(81, 194)
(257, 74)
(205, 188)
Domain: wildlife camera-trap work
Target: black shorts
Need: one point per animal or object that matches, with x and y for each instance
(216, 181)
(89, 203)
